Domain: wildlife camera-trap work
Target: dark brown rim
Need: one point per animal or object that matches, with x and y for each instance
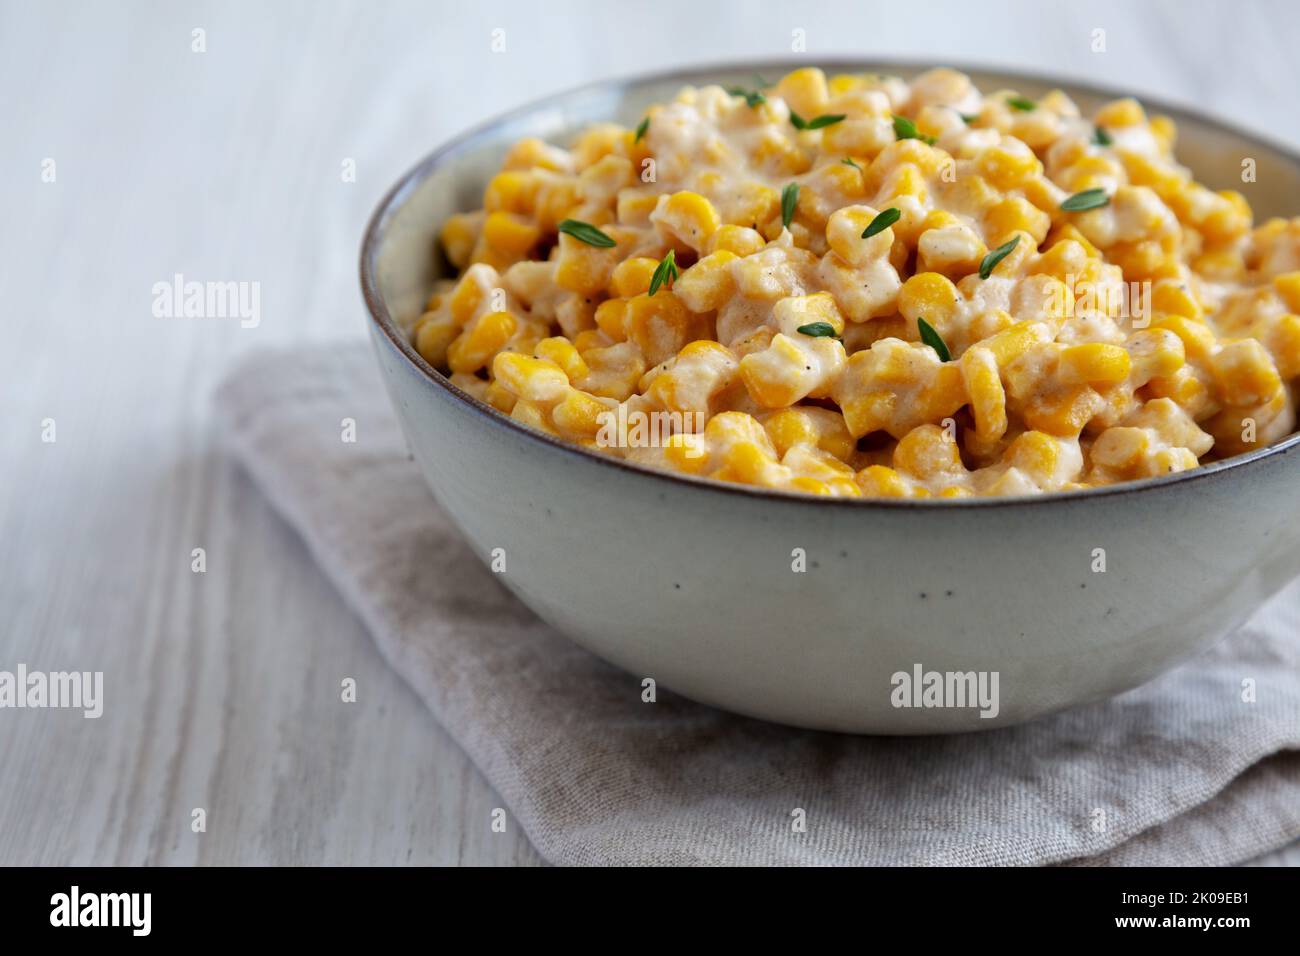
(411, 180)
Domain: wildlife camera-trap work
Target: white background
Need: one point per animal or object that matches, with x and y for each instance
(223, 688)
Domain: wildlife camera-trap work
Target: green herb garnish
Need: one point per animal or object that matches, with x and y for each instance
(989, 262)
(1101, 137)
(829, 119)
(933, 339)
(789, 201)
(904, 128)
(819, 330)
(847, 161)
(640, 130)
(882, 222)
(586, 232)
(666, 271)
(1088, 199)
(1021, 103)
(968, 118)
(752, 97)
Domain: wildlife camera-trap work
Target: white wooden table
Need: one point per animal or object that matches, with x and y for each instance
(226, 165)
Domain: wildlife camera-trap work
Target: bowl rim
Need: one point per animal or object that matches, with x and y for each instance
(411, 180)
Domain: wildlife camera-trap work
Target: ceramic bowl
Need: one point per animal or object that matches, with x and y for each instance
(823, 613)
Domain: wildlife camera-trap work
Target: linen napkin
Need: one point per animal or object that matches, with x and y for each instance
(1201, 766)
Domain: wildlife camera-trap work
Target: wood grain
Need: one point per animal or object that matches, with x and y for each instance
(222, 688)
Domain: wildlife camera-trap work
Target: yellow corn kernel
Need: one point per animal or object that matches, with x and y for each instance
(905, 180)
(1064, 258)
(809, 426)
(510, 233)
(738, 240)
(1011, 343)
(432, 337)
(1069, 231)
(1006, 166)
(1197, 337)
(988, 399)
(500, 397)
(844, 235)
(744, 462)
(1035, 453)
(842, 83)
(945, 393)
(954, 251)
(788, 428)
(1120, 450)
(1125, 112)
(532, 414)
(708, 284)
(581, 414)
(597, 142)
(634, 206)
(1283, 342)
(1093, 363)
(925, 452)
(592, 339)
(561, 351)
(687, 452)
(512, 191)
(930, 296)
(809, 486)
(532, 379)
(615, 371)
(1245, 373)
(1288, 287)
(660, 325)
(805, 91)
(1168, 180)
(611, 319)
(1220, 265)
(687, 217)
(1165, 130)
(1186, 389)
(1012, 215)
(488, 255)
(465, 299)
(532, 152)
(778, 155)
(751, 203)
(1154, 353)
(475, 347)
(877, 481)
(937, 219)
(632, 276)
(459, 234)
(1171, 296)
(582, 268)
(1063, 413)
(557, 200)
(772, 376)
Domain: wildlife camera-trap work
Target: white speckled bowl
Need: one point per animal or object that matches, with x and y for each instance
(689, 581)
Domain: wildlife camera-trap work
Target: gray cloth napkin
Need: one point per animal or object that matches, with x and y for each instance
(1181, 771)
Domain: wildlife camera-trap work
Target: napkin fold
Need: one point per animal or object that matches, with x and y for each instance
(1201, 766)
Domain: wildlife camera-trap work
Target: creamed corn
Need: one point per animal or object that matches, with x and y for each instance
(857, 286)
